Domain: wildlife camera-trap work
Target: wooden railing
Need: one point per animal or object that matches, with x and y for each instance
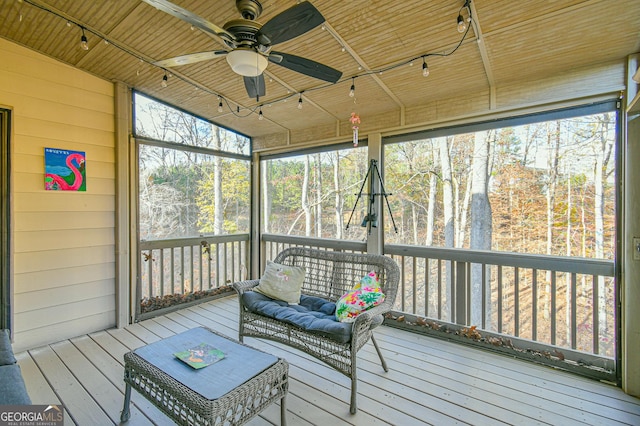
(189, 265)
(558, 301)
(272, 244)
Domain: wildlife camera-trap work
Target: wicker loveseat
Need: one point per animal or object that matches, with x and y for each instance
(329, 275)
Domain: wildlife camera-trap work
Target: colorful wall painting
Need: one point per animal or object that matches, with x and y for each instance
(64, 170)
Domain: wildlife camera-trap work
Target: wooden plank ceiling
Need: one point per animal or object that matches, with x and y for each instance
(508, 42)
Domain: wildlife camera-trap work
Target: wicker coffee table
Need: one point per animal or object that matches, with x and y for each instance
(231, 391)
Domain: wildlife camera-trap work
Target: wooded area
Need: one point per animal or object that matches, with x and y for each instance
(542, 188)
(189, 188)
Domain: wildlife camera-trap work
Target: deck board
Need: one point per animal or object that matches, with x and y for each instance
(430, 381)
(77, 400)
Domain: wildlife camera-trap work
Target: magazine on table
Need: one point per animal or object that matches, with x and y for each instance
(200, 356)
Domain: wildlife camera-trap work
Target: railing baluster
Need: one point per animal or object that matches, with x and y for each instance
(516, 301)
(224, 265)
(427, 272)
(595, 300)
(484, 295)
(402, 281)
(574, 313)
(182, 267)
(162, 272)
(468, 289)
(233, 262)
(553, 307)
(499, 278)
(534, 304)
(150, 274)
(439, 289)
(191, 262)
(414, 284)
(210, 261)
(217, 265)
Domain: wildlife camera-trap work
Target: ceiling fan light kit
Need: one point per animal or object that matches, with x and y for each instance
(247, 63)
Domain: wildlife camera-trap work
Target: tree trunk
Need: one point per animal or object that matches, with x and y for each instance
(306, 208)
(553, 146)
(218, 216)
(431, 208)
(481, 224)
(602, 157)
(447, 198)
(339, 200)
(266, 197)
(318, 195)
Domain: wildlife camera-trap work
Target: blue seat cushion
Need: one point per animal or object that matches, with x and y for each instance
(313, 314)
(6, 353)
(12, 389)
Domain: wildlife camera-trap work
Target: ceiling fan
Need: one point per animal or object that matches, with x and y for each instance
(251, 42)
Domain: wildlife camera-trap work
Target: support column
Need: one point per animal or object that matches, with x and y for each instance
(630, 280)
(255, 252)
(375, 239)
(124, 293)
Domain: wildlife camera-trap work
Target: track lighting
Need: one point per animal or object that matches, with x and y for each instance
(219, 104)
(352, 92)
(84, 45)
(300, 101)
(260, 116)
(425, 68)
(164, 80)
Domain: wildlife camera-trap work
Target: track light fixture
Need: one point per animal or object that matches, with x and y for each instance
(352, 91)
(260, 116)
(164, 80)
(84, 44)
(425, 68)
(300, 101)
(219, 104)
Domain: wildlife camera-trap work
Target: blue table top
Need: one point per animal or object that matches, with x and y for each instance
(240, 362)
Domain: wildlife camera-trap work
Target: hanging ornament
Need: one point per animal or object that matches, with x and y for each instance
(355, 122)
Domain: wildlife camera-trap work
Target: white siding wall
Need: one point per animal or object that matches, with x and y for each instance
(63, 242)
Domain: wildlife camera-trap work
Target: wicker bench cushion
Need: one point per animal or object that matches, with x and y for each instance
(313, 314)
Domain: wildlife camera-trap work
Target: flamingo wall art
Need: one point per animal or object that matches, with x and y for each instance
(64, 170)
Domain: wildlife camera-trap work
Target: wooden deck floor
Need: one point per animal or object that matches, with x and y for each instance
(430, 381)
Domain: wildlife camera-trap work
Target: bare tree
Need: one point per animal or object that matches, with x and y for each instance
(305, 197)
(266, 197)
(481, 222)
(339, 199)
(447, 203)
(218, 215)
(318, 195)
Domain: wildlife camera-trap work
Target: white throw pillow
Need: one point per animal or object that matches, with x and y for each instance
(282, 282)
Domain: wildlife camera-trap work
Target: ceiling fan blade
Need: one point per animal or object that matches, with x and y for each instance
(255, 86)
(289, 24)
(191, 58)
(190, 17)
(305, 66)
